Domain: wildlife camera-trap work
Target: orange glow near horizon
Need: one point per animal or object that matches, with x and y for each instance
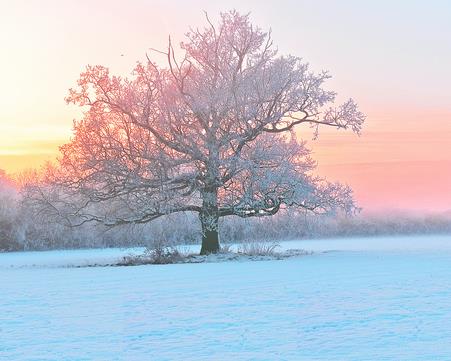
(387, 169)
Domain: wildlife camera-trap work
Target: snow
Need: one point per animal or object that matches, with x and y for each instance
(66, 258)
(371, 299)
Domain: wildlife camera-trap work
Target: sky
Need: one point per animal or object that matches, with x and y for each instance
(392, 57)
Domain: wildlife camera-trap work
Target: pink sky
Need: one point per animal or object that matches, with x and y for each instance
(393, 59)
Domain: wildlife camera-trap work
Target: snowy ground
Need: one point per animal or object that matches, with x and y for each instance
(370, 299)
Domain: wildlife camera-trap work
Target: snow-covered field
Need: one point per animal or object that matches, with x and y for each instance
(369, 299)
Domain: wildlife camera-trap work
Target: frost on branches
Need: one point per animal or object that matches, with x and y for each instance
(212, 133)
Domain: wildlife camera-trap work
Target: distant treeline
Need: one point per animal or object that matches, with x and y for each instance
(22, 228)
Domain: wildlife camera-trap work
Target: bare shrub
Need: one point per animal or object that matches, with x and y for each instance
(165, 255)
(158, 251)
(258, 248)
(226, 248)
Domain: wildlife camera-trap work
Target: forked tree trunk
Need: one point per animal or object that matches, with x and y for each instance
(209, 219)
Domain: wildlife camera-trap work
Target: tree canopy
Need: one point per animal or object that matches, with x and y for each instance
(212, 132)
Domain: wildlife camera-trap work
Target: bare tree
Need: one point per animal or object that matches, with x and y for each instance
(212, 133)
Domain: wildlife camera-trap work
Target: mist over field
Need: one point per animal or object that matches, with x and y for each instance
(23, 230)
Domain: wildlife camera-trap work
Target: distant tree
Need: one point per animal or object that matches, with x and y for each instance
(211, 133)
(3, 176)
(10, 225)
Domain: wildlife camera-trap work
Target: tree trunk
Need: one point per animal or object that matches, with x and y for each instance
(210, 241)
(209, 219)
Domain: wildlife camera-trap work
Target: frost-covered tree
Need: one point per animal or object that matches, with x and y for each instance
(10, 224)
(212, 132)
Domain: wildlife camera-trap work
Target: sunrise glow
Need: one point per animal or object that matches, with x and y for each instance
(399, 75)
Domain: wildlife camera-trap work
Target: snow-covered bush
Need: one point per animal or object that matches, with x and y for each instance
(10, 223)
